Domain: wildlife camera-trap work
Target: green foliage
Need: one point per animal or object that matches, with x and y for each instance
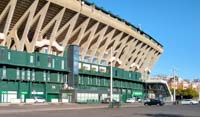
(187, 92)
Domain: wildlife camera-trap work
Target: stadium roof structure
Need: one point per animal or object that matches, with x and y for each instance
(52, 25)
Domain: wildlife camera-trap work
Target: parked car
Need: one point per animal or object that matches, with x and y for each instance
(130, 100)
(39, 100)
(189, 101)
(154, 102)
(107, 100)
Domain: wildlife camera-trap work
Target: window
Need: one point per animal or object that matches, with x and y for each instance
(95, 61)
(58, 77)
(3, 54)
(48, 77)
(4, 72)
(115, 72)
(103, 62)
(31, 59)
(44, 75)
(28, 74)
(23, 73)
(49, 61)
(66, 79)
(61, 78)
(8, 55)
(53, 62)
(18, 73)
(87, 58)
(38, 60)
(62, 64)
(33, 75)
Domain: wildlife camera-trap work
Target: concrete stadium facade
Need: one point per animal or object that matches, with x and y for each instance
(50, 26)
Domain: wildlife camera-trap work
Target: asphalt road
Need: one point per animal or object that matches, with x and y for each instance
(91, 111)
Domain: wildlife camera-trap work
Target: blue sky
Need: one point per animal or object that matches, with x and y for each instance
(173, 23)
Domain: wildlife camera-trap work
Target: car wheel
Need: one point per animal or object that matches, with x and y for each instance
(191, 103)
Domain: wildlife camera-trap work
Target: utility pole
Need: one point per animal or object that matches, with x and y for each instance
(111, 80)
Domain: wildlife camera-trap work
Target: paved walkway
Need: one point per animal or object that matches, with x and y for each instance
(21, 108)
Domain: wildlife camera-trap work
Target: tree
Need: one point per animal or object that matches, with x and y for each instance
(187, 93)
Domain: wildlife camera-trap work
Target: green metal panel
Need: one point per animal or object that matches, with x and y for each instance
(39, 76)
(53, 88)
(38, 87)
(14, 58)
(54, 77)
(8, 86)
(3, 55)
(11, 73)
(57, 61)
(126, 75)
(101, 82)
(43, 60)
(24, 86)
(52, 96)
(124, 95)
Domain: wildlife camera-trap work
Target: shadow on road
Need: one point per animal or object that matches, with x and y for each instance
(166, 115)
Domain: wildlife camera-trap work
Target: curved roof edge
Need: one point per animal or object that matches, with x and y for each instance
(122, 20)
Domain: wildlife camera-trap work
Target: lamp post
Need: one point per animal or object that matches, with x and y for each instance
(111, 81)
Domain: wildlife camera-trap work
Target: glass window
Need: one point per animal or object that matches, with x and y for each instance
(95, 61)
(87, 58)
(8, 55)
(79, 80)
(3, 54)
(62, 64)
(103, 62)
(53, 63)
(33, 75)
(18, 73)
(31, 59)
(115, 72)
(23, 73)
(49, 61)
(28, 74)
(66, 79)
(48, 77)
(58, 77)
(4, 72)
(44, 75)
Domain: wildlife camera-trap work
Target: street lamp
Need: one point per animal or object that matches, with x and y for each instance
(111, 80)
(111, 77)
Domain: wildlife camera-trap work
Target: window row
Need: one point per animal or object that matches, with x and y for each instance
(32, 75)
(104, 82)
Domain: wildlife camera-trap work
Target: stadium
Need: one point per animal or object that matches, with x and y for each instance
(68, 50)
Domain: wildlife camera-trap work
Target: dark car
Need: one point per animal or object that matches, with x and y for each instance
(154, 102)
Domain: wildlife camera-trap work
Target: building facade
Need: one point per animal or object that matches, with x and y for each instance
(62, 50)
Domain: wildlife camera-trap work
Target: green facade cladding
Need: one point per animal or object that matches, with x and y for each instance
(28, 75)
